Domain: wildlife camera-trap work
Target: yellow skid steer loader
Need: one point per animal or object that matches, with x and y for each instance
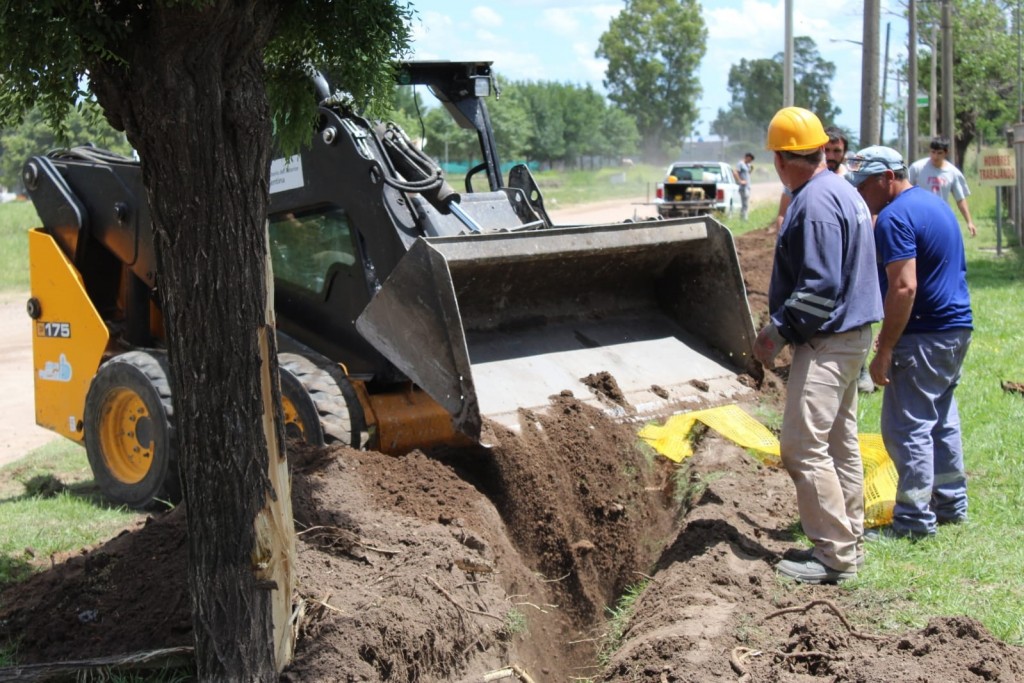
(407, 312)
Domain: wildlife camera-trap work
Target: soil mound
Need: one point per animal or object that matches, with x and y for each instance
(447, 566)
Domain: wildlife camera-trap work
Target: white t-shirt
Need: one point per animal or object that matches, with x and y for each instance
(939, 180)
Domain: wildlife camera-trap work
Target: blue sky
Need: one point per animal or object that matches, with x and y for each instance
(556, 40)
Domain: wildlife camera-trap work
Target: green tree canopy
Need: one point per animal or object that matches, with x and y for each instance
(654, 49)
(984, 69)
(84, 125)
(756, 86)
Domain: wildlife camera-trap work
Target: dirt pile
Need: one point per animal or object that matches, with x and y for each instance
(426, 569)
(449, 566)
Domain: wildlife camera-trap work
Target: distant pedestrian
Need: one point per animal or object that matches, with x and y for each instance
(922, 342)
(822, 299)
(742, 172)
(937, 174)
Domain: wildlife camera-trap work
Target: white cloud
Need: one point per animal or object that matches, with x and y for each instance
(486, 16)
(560, 20)
(488, 37)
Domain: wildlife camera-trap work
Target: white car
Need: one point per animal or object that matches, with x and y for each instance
(691, 185)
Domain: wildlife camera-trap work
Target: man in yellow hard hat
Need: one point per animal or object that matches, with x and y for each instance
(823, 299)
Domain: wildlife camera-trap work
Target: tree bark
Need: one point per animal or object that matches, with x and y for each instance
(192, 101)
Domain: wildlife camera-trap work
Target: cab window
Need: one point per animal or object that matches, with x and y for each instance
(304, 247)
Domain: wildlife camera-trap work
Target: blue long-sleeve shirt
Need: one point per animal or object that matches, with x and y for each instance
(825, 278)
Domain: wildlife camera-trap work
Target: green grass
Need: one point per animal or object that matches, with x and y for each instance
(49, 504)
(618, 620)
(565, 188)
(15, 220)
(973, 569)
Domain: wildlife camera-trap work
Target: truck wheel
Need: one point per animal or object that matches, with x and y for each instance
(341, 415)
(129, 433)
(301, 419)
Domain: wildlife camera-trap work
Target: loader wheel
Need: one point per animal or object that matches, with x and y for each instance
(341, 415)
(301, 420)
(129, 434)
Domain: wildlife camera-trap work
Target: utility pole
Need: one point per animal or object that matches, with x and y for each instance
(787, 63)
(948, 125)
(912, 82)
(869, 76)
(885, 80)
(933, 95)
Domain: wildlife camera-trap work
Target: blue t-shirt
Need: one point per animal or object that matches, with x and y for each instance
(825, 278)
(920, 225)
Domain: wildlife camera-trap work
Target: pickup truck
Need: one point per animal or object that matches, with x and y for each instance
(694, 188)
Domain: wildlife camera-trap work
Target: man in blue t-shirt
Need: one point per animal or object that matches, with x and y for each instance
(922, 343)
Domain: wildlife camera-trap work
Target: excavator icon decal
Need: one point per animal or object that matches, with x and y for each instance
(57, 372)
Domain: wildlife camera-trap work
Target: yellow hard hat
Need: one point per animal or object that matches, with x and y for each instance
(795, 129)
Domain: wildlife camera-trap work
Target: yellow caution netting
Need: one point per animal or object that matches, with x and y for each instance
(673, 441)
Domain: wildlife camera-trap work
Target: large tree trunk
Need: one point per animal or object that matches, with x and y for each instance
(194, 106)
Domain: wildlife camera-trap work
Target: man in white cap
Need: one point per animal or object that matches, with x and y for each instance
(922, 343)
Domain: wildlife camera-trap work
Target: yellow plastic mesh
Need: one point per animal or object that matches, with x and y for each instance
(673, 441)
(879, 481)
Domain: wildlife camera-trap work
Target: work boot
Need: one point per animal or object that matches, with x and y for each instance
(812, 571)
(805, 554)
(864, 383)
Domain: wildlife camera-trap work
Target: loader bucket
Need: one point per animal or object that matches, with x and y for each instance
(488, 324)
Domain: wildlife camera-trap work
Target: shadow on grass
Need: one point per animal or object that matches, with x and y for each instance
(49, 486)
(15, 568)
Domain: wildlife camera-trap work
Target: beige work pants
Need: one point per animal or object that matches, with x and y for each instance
(819, 443)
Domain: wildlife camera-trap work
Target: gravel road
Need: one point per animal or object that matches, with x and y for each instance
(18, 431)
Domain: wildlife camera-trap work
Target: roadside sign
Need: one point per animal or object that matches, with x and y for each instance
(922, 100)
(997, 167)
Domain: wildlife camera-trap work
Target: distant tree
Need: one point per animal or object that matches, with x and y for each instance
(511, 122)
(197, 86)
(756, 90)
(547, 130)
(756, 85)
(984, 70)
(84, 125)
(583, 109)
(446, 141)
(563, 122)
(619, 135)
(654, 49)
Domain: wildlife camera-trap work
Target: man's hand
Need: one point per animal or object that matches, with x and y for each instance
(768, 345)
(879, 367)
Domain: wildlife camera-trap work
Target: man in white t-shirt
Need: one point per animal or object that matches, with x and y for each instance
(937, 174)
